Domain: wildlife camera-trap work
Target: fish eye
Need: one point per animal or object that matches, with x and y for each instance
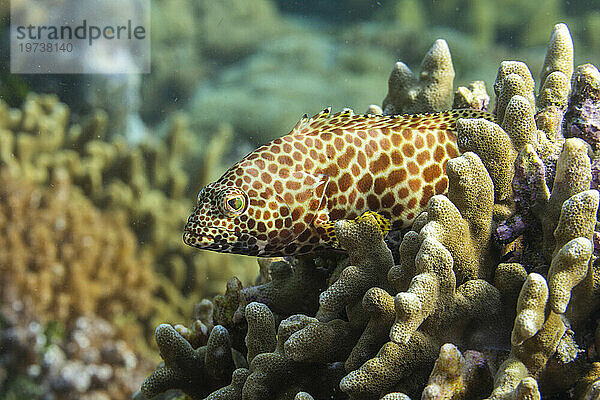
(234, 204)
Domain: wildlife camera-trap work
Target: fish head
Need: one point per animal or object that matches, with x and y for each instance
(227, 220)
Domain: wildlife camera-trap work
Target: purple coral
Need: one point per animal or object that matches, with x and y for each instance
(595, 183)
(585, 123)
(507, 231)
(582, 118)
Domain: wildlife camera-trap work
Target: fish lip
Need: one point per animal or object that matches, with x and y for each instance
(241, 248)
(189, 235)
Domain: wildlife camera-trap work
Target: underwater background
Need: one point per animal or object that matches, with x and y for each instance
(98, 173)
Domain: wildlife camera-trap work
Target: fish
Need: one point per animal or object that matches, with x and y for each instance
(284, 198)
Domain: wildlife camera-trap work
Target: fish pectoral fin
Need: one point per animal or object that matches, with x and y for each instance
(326, 228)
(383, 223)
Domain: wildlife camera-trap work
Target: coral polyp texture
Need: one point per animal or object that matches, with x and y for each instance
(492, 292)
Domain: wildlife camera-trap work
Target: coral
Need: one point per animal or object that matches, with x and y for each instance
(261, 330)
(462, 221)
(495, 288)
(272, 370)
(392, 364)
(569, 267)
(335, 338)
(370, 262)
(432, 295)
(573, 175)
(195, 371)
(559, 56)
(581, 117)
(513, 78)
(530, 309)
(487, 139)
(475, 96)
(293, 289)
(146, 183)
(455, 375)
(536, 338)
(49, 360)
(65, 258)
(431, 92)
(379, 306)
(277, 375)
(557, 69)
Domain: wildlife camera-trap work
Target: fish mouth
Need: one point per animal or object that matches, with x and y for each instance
(195, 240)
(219, 242)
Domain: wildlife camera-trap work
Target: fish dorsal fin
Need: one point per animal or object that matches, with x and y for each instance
(471, 113)
(346, 112)
(325, 119)
(444, 119)
(305, 121)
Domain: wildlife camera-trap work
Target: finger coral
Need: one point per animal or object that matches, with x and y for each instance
(457, 375)
(493, 292)
(195, 371)
(146, 184)
(431, 92)
(64, 258)
(370, 262)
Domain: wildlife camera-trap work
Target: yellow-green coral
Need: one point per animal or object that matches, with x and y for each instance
(457, 375)
(379, 306)
(559, 57)
(432, 91)
(392, 364)
(65, 258)
(569, 266)
(530, 309)
(462, 221)
(370, 262)
(514, 78)
(195, 371)
(495, 149)
(261, 330)
(431, 289)
(573, 175)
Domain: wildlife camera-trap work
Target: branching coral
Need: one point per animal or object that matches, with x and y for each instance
(370, 262)
(65, 258)
(432, 303)
(432, 91)
(581, 118)
(145, 184)
(497, 278)
(462, 221)
(294, 288)
(195, 371)
(572, 176)
(457, 375)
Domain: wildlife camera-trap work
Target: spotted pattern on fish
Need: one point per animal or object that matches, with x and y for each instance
(284, 197)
